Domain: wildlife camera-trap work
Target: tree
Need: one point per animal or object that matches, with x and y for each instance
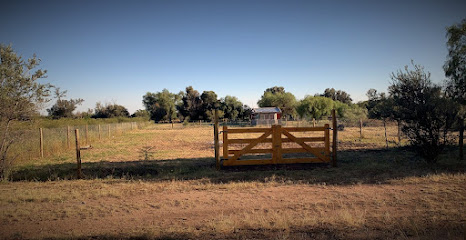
(426, 113)
(337, 95)
(277, 97)
(232, 107)
(63, 108)
(160, 105)
(21, 96)
(110, 111)
(209, 101)
(315, 107)
(455, 70)
(191, 104)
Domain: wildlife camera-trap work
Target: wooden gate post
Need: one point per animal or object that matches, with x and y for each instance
(334, 139)
(216, 145)
(225, 142)
(78, 154)
(276, 144)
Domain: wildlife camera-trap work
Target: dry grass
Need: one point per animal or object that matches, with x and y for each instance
(178, 194)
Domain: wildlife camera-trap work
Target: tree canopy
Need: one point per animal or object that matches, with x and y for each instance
(160, 105)
(277, 97)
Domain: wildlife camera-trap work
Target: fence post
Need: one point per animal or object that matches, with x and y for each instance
(276, 144)
(68, 141)
(87, 135)
(108, 130)
(327, 141)
(100, 136)
(216, 145)
(78, 154)
(313, 122)
(41, 143)
(225, 142)
(360, 128)
(334, 140)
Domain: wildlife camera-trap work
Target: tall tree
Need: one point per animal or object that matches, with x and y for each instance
(277, 97)
(21, 96)
(191, 104)
(160, 105)
(455, 70)
(232, 108)
(337, 95)
(63, 108)
(209, 101)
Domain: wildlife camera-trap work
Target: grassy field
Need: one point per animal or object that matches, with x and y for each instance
(161, 183)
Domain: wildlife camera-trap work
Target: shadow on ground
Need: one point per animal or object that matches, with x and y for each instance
(354, 166)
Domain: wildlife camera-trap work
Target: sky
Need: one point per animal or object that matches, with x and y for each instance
(117, 51)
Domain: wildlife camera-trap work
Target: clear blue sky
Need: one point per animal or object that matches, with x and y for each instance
(116, 51)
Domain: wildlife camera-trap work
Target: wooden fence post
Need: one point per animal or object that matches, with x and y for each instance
(78, 154)
(68, 140)
(87, 134)
(100, 136)
(108, 131)
(313, 122)
(360, 128)
(216, 145)
(41, 143)
(334, 140)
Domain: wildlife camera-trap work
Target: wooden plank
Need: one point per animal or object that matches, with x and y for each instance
(269, 161)
(247, 130)
(300, 150)
(269, 140)
(304, 145)
(252, 151)
(249, 147)
(225, 142)
(303, 160)
(248, 162)
(276, 143)
(304, 129)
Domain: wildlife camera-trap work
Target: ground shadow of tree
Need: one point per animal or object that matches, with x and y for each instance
(355, 166)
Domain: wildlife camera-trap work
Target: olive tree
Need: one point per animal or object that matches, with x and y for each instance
(21, 96)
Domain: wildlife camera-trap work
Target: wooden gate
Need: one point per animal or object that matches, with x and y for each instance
(276, 135)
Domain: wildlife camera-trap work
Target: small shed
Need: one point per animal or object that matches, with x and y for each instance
(266, 115)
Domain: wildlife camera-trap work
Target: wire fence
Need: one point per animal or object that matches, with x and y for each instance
(46, 142)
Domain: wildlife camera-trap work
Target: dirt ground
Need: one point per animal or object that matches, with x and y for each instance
(198, 202)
